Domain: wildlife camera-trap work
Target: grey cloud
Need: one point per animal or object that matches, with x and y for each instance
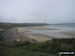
(49, 11)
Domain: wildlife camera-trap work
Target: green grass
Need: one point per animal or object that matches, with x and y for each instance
(11, 49)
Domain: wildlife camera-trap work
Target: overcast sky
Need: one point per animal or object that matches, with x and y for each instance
(36, 11)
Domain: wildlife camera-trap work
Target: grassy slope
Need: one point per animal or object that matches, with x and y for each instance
(48, 48)
(21, 49)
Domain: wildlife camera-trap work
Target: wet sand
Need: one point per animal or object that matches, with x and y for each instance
(41, 28)
(70, 33)
(54, 33)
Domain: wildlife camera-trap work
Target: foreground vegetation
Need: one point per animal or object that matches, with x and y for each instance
(48, 48)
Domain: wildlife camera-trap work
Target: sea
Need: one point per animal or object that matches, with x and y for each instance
(62, 26)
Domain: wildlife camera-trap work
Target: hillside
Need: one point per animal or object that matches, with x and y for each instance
(10, 25)
(26, 48)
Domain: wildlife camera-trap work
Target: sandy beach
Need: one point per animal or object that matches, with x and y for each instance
(25, 33)
(39, 37)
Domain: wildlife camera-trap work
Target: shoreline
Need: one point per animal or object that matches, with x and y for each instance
(42, 28)
(70, 33)
(24, 33)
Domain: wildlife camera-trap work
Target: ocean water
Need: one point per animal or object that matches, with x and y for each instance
(62, 26)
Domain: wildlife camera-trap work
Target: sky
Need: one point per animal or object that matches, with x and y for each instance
(37, 11)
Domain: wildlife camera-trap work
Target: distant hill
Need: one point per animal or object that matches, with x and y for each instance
(10, 25)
